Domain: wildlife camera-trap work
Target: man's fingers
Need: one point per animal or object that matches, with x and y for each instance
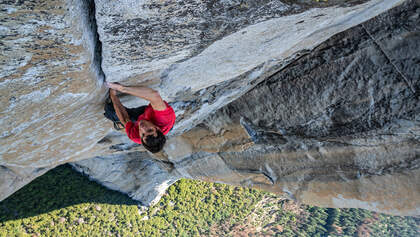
(109, 84)
(113, 85)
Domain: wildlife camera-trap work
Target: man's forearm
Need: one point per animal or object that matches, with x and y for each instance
(120, 110)
(141, 91)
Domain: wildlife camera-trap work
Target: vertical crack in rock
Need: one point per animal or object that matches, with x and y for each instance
(92, 38)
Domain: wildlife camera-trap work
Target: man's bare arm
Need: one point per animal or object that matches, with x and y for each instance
(119, 108)
(142, 92)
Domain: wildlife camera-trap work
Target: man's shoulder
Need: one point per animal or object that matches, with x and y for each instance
(167, 110)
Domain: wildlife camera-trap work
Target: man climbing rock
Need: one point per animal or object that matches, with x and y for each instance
(145, 125)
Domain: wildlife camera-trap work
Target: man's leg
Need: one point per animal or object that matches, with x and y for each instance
(112, 115)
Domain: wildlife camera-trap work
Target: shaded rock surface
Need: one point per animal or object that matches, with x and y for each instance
(127, 173)
(261, 101)
(14, 178)
(338, 127)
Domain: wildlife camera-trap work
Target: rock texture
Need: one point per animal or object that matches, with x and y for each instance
(338, 127)
(14, 178)
(256, 43)
(50, 91)
(268, 95)
(142, 179)
(48, 84)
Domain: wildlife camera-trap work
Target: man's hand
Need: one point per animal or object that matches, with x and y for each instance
(140, 91)
(114, 86)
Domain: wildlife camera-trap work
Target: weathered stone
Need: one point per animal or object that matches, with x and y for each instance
(50, 88)
(137, 174)
(14, 178)
(338, 127)
(224, 49)
(261, 101)
(193, 105)
(58, 44)
(349, 112)
(49, 85)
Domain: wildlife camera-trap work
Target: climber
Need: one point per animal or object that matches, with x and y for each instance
(145, 125)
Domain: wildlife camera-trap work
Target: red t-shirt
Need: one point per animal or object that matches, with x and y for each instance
(164, 119)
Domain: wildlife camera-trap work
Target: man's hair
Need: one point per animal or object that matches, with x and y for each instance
(154, 144)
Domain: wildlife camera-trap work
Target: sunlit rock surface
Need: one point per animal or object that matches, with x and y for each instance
(338, 127)
(50, 98)
(267, 95)
(214, 52)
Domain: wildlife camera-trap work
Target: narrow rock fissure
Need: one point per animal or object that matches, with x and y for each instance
(90, 12)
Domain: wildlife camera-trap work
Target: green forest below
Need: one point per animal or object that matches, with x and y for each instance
(63, 202)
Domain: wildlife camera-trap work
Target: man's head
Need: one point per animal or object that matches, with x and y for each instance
(151, 136)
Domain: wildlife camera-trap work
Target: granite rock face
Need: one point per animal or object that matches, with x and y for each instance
(268, 95)
(340, 125)
(14, 178)
(337, 127)
(204, 73)
(127, 173)
(48, 84)
(51, 98)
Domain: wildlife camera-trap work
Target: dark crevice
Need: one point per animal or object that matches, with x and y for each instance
(96, 45)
